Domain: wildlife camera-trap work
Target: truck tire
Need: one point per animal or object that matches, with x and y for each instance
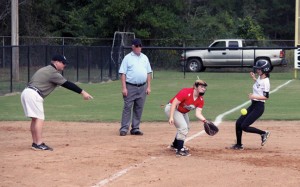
(194, 65)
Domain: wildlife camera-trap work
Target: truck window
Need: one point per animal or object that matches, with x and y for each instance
(218, 45)
(234, 44)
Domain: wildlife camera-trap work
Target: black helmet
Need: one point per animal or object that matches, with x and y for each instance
(263, 65)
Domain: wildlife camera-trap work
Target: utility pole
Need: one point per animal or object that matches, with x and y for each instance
(15, 39)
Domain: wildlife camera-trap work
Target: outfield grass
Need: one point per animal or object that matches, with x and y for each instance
(225, 91)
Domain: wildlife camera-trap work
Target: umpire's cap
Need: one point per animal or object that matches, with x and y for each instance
(137, 42)
(60, 58)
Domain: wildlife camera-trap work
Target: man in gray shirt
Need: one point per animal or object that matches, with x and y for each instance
(42, 83)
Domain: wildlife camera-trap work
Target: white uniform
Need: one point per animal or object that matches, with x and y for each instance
(260, 87)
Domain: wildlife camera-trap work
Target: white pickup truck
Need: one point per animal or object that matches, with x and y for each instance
(216, 57)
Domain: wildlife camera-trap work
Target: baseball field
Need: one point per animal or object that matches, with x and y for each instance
(88, 150)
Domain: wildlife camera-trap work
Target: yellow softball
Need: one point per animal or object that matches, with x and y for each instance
(244, 111)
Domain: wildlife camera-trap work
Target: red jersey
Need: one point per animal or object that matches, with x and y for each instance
(185, 96)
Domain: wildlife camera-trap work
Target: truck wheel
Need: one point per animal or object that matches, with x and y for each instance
(194, 65)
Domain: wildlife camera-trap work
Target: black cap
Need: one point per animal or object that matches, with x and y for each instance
(60, 58)
(136, 41)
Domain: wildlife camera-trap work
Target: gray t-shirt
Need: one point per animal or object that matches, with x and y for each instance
(46, 80)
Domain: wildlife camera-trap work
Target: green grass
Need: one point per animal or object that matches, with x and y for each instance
(225, 91)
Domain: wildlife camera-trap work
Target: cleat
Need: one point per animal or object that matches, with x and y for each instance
(264, 138)
(41, 147)
(237, 147)
(33, 146)
(182, 152)
(140, 133)
(173, 148)
(123, 133)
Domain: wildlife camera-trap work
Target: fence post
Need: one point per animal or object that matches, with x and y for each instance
(101, 68)
(110, 68)
(3, 52)
(46, 56)
(28, 63)
(77, 64)
(184, 62)
(88, 61)
(254, 58)
(11, 71)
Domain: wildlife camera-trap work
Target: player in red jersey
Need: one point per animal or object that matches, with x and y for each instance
(177, 109)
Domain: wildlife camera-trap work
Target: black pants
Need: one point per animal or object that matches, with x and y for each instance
(255, 110)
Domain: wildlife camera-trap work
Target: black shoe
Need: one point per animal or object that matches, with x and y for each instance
(237, 147)
(140, 133)
(173, 148)
(264, 138)
(33, 145)
(41, 147)
(182, 152)
(123, 133)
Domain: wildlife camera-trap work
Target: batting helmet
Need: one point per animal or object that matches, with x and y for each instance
(263, 65)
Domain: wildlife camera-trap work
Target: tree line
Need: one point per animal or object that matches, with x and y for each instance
(154, 19)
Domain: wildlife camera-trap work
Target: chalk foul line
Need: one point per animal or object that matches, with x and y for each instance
(122, 172)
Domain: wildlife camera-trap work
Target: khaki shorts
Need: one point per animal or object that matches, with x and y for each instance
(32, 104)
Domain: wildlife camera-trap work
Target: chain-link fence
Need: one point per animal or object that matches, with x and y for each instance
(83, 41)
(86, 64)
(89, 64)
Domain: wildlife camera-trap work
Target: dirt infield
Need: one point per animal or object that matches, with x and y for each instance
(93, 154)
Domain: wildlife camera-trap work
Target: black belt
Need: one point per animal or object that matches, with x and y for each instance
(35, 89)
(137, 85)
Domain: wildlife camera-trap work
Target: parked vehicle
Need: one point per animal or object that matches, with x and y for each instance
(216, 57)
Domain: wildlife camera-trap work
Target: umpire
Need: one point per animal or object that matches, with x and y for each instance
(42, 83)
(135, 71)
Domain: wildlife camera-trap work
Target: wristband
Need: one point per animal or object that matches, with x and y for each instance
(204, 120)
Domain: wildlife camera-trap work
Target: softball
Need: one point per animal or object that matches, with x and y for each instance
(244, 111)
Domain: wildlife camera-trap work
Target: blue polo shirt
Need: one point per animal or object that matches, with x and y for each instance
(136, 68)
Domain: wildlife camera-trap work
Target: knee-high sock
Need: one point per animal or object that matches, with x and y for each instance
(180, 144)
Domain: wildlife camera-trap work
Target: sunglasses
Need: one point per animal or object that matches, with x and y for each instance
(63, 63)
(138, 45)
